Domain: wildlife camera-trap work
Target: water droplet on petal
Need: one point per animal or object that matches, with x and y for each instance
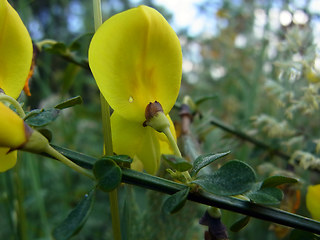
(130, 99)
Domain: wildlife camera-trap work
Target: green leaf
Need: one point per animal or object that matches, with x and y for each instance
(76, 218)
(76, 43)
(205, 98)
(176, 201)
(42, 117)
(233, 178)
(33, 113)
(274, 181)
(240, 224)
(205, 160)
(56, 48)
(121, 160)
(177, 163)
(69, 103)
(108, 174)
(118, 158)
(266, 196)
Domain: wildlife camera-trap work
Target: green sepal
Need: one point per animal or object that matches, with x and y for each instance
(233, 178)
(274, 181)
(41, 117)
(108, 174)
(204, 160)
(176, 201)
(266, 196)
(177, 163)
(76, 218)
(240, 224)
(69, 103)
(46, 132)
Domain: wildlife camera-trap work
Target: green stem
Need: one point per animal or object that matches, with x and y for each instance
(22, 219)
(45, 41)
(108, 148)
(172, 142)
(12, 101)
(54, 153)
(176, 150)
(232, 204)
(36, 185)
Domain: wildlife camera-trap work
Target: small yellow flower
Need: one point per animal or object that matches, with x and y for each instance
(136, 58)
(15, 61)
(312, 201)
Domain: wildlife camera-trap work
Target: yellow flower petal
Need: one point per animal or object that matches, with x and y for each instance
(16, 51)
(7, 160)
(312, 201)
(135, 58)
(140, 143)
(12, 128)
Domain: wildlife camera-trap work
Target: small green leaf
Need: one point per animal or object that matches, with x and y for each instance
(274, 181)
(108, 174)
(42, 118)
(69, 103)
(33, 113)
(76, 218)
(266, 196)
(119, 158)
(205, 160)
(205, 98)
(240, 224)
(79, 41)
(56, 48)
(177, 163)
(233, 178)
(176, 201)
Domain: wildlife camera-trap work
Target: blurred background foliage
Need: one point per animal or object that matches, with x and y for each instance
(256, 61)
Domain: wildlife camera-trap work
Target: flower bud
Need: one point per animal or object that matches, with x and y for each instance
(155, 117)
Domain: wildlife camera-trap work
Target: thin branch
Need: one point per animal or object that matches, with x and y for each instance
(232, 204)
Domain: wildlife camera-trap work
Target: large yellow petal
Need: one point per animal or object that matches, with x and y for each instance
(312, 201)
(15, 51)
(12, 128)
(135, 58)
(140, 143)
(7, 160)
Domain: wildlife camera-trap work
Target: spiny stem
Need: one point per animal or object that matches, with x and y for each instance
(54, 153)
(14, 103)
(108, 148)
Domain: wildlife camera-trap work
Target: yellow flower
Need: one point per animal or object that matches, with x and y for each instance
(14, 133)
(16, 51)
(135, 58)
(15, 61)
(312, 201)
